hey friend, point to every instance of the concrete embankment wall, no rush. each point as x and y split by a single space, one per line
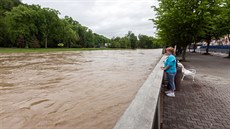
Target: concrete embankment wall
144 110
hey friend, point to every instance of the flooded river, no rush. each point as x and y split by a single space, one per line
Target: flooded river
70 90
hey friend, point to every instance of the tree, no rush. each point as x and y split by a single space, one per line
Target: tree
125 42
67 34
115 42
21 21
48 23
33 26
148 42
210 13
34 42
225 20
89 39
82 32
5 5
100 40
182 22
133 39
180 13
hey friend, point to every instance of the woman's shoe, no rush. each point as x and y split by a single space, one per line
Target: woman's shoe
171 94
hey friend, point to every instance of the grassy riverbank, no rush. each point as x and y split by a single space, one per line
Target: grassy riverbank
24 50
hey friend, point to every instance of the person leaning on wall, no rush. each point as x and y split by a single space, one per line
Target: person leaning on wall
170 70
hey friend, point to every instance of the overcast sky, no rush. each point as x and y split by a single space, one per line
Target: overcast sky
107 17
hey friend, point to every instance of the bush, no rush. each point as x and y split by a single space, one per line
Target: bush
35 43
60 45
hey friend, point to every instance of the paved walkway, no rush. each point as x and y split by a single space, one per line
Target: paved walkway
205 103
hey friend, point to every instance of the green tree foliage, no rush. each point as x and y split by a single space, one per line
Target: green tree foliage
68 36
31 26
89 39
100 40
116 43
49 24
27 26
181 22
211 14
148 42
131 41
225 20
5 5
124 42
22 24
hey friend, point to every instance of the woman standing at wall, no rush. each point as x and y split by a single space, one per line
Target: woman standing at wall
170 70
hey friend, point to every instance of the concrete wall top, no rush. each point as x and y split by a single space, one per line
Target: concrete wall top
140 113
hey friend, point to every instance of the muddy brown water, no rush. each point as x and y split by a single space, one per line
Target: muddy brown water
70 90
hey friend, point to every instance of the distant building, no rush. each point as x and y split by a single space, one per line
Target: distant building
222 41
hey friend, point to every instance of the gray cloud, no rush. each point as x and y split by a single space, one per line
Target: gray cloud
107 17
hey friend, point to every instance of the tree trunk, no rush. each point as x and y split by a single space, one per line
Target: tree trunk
184 54
175 50
207 49
27 45
46 40
229 38
67 45
229 44
194 47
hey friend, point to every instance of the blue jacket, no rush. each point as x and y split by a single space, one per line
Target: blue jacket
171 62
